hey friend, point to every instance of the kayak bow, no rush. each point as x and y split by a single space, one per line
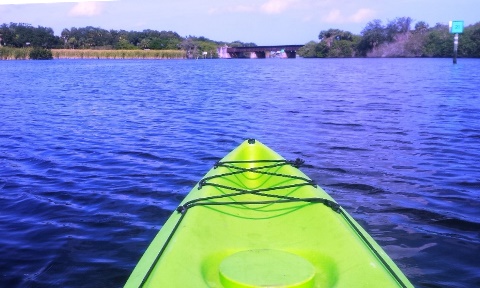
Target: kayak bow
255 220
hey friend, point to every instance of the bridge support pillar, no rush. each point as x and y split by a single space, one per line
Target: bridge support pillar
222 52
290 54
257 55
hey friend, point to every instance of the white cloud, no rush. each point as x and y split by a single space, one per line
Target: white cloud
8 2
86 9
276 6
361 15
334 16
304 10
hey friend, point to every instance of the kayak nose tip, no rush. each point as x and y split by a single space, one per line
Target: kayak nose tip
251 141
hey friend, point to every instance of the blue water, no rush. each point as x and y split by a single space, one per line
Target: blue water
95 155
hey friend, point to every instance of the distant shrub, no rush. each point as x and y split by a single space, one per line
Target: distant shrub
41 54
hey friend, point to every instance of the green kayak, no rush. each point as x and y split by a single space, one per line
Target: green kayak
255 220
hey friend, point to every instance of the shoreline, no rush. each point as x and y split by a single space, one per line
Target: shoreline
8 53
117 54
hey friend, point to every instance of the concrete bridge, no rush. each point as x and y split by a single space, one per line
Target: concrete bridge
278 51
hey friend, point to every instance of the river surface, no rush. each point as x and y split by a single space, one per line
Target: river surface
95 155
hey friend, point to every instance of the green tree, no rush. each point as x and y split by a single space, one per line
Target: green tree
344 48
164 43
314 50
196 46
439 42
469 41
372 35
421 27
239 43
331 35
65 35
6 35
145 43
308 50
399 25
190 47
124 44
209 47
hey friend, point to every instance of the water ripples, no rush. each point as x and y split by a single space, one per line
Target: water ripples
94 155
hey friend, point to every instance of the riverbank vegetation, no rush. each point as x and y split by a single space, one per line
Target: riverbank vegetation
10 53
117 54
94 42
396 38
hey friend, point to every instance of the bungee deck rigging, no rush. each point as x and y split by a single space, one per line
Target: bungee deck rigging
261 192
278 199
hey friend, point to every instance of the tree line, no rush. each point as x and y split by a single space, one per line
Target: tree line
394 39
21 35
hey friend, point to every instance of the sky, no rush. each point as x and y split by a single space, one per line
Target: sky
264 22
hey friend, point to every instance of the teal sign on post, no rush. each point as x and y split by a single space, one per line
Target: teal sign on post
456 27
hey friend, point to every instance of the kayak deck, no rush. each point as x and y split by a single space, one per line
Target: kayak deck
255 220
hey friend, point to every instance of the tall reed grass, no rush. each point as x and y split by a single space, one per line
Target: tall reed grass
117 54
9 53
